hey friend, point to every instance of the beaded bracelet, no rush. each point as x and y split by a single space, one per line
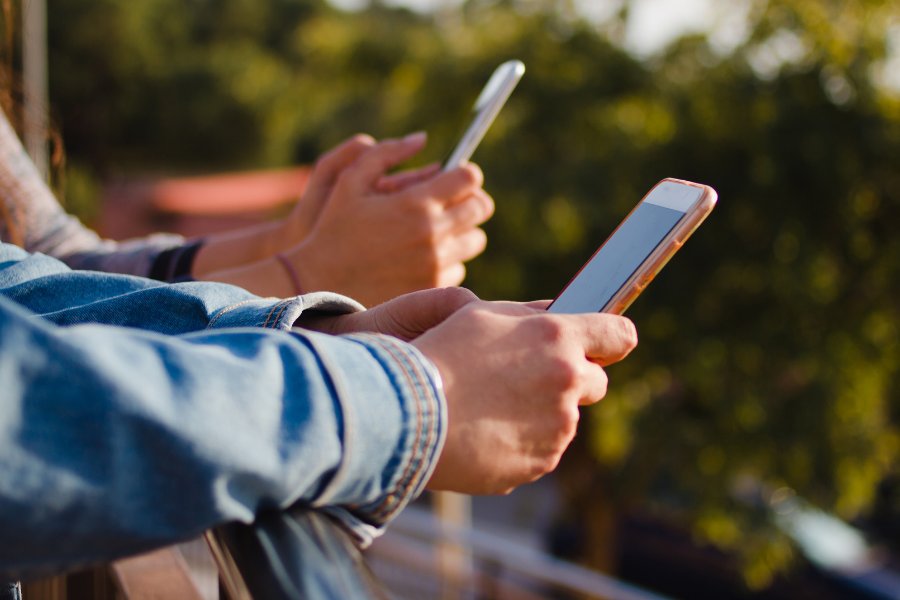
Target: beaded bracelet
291 272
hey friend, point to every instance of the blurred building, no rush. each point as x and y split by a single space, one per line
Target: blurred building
195 206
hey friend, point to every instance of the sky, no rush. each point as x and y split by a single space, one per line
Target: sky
652 23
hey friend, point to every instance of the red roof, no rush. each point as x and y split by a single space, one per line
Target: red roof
231 193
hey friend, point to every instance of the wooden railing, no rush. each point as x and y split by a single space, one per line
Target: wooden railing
158 575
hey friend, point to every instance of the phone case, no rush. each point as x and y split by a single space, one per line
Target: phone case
664 251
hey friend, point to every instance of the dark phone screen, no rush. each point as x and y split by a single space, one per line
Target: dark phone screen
617 259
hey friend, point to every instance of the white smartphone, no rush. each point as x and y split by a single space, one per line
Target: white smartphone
639 247
491 99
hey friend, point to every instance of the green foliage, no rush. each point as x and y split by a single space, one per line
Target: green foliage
769 346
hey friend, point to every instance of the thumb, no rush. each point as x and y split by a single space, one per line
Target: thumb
409 316
372 164
326 171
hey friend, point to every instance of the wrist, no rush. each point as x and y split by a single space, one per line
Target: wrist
275 237
299 268
290 232
287 267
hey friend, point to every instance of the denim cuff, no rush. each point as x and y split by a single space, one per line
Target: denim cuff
260 312
418 382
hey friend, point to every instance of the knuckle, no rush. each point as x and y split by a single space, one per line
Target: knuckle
417 216
550 331
570 417
474 177
456 297
428 232
362 139
548 464
472 212
332 158
601 384
564 375
565 422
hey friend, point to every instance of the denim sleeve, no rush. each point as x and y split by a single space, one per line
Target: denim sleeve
114 440
50 289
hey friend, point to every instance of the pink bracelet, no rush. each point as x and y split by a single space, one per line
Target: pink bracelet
291 272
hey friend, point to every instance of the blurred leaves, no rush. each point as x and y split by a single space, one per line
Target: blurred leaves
769 346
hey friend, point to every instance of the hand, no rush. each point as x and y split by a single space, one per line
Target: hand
514 377
378 236
405 317
305 213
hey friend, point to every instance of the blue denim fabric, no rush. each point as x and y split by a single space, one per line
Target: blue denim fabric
46 286
114 440
10 591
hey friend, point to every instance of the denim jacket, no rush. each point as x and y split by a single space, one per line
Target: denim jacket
134 414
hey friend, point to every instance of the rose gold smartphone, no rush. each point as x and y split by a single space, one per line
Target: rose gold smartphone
639 247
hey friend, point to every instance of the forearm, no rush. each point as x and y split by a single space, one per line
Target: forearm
115 441
42 225
229 250
267 277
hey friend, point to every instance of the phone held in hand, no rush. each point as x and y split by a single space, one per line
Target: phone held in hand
638 249
491 99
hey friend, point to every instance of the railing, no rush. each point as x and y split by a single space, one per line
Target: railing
152 576
408 560
411 560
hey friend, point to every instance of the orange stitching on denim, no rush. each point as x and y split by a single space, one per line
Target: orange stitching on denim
425 393
225 310
388 504
284 306
269 315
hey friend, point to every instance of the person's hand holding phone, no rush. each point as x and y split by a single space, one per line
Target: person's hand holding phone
638 249
486 108
373 240
405 317
514 377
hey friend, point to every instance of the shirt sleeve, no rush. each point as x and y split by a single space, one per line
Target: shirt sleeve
114 441
46 227
50 289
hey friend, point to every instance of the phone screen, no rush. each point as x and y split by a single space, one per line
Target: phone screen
620 257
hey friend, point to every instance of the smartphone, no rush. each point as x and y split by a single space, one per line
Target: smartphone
488 104
639 247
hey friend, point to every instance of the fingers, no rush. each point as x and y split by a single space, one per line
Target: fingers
462 247
371 165
471 212
330 164
326 172
450 186
606 338
452 275
454 251
538 304
411 315
595 384
398 181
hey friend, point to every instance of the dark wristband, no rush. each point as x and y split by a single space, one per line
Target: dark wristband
175 264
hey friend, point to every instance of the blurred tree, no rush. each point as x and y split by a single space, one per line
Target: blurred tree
769 350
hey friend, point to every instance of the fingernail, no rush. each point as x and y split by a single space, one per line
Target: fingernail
418 137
